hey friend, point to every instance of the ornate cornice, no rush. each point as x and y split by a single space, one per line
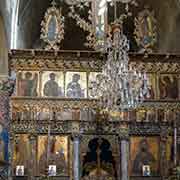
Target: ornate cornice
39 103
144 129
157 67
91 127
161 104
88 61
20 104
39 127
55 60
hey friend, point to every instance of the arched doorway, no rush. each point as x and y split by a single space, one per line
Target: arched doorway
99 163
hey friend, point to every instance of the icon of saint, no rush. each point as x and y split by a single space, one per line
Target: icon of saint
28 85
20 171
143 157
146 171
168 87
22 155
54 158
51 87
52 171
74 88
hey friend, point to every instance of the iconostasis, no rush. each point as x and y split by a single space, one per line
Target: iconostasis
145 149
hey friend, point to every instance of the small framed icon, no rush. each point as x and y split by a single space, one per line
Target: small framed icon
52 170
19 170
76 84
146 170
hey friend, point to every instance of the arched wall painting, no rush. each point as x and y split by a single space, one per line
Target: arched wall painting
144 151
22 153
53 152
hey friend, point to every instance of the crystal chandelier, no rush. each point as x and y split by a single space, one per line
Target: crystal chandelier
119 87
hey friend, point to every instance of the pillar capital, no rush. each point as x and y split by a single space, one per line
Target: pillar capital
76 136
164 133
123 133
32 137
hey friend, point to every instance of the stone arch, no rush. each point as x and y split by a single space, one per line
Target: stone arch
99 160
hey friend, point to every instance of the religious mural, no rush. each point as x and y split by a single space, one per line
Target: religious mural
52 84
146 115
53 151
92 84
168 86
151 115
170 115
151 84
19 170
21 155
27 83
141 115
45 114
66 114
161 115
13 76
144 151
145 30
76 84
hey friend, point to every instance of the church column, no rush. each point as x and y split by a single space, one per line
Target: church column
124 152
75 131
32 140
76 156
163 157
175 143
11 155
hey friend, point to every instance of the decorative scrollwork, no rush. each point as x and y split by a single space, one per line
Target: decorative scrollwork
58 60
7 86
157 67
88 60
30 104
86 26
144 129
52 31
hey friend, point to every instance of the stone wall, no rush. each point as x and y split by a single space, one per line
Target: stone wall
3 50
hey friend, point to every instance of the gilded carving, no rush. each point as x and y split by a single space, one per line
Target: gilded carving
80 116
52 31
